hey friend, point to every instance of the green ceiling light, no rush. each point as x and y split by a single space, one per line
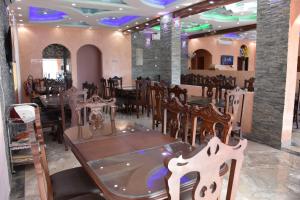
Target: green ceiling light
200 27
156 28
227 18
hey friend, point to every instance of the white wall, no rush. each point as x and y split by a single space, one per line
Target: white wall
4 177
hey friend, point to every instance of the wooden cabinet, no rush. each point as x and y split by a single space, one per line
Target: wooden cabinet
243 63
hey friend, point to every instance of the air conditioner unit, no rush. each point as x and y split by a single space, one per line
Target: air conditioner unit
225 41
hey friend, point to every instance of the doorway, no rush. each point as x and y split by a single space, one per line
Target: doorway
201 59
89 65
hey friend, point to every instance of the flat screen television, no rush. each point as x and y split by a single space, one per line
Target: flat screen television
227 60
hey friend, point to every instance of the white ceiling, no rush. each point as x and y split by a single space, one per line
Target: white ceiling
93 11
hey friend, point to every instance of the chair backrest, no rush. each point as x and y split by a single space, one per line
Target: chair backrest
174 116
102 88
235 103
210 117
249 84
142 91
73 96
96 104
91 89
209 182
117 81
40 161
176 91
157 94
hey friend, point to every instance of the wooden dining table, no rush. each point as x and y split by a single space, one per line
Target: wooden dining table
129 162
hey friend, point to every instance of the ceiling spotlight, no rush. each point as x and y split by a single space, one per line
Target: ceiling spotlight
158 20
57 26
19 8
21 20
45 13
147 18
211 2
86 16
129 30
90 27
127 26
136 22
220 26
119 29
177 7
147 24
73 4
238 23
137 27
113 18
20 15
190 9
120 8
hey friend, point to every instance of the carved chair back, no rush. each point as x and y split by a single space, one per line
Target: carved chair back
249 84
235 103
95 104
157 94
210 119
102 88
209 182
142 93
91 89
178 92
174 117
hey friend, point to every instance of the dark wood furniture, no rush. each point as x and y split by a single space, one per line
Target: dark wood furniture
178 92
103 88
142 96
122 164
64 185
210 118
91 89
249 84
157 94
175 117
296 106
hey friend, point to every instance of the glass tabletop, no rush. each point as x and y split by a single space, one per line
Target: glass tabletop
83 134
204 101
141 174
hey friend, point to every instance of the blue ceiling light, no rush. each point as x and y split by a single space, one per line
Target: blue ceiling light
37 14
90 11
160 2
117 21
232 36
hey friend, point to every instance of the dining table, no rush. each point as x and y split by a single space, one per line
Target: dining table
51 100
204 101
128 161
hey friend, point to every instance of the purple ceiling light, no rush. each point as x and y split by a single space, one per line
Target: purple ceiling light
37 14
160 2
117 21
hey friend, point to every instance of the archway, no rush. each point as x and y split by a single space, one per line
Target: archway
201 59
89 65
56 62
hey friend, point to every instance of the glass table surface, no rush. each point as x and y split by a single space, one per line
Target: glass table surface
141 174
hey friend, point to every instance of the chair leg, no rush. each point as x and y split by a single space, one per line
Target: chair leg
137 111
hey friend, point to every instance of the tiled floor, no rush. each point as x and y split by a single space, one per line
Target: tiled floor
267 174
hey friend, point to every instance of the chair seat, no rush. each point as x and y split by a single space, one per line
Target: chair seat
89 197
72 183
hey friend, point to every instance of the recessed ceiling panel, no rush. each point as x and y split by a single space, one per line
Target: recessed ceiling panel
159 2
90 11
117 21
37 14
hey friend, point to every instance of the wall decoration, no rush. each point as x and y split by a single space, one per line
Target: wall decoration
227 60
244 51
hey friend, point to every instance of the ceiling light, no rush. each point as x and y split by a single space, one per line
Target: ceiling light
147 18
45 13
73 4
114 18
211 2
177 7
86 16
137 27
190 9
238 23
220 26
21 20
20 15
120 8
136 22
127 26
129 30
90 27
19 8
120 30
158 20
147 24
57 26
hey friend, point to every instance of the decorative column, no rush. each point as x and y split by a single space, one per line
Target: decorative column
275 74
170 41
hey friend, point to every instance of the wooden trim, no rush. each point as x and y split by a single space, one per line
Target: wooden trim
224 31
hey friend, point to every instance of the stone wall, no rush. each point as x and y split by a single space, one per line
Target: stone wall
271 71
6 98
164 57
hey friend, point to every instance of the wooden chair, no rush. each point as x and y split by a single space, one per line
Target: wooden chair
95 104
249 84
64 185
209 181
235 105
296 106
174 117
102 88
142 96
91 89
157 94
213 123
176 91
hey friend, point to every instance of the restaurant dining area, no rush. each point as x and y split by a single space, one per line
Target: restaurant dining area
150 99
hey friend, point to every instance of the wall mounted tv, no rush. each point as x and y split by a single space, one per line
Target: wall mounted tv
227 60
